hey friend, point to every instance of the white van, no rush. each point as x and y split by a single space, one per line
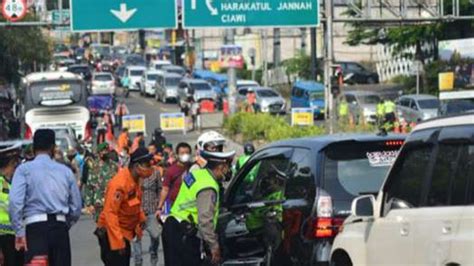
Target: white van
135 74
56 99
424 212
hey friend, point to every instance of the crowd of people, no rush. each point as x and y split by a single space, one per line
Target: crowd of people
129 189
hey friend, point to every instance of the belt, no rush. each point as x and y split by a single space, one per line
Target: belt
44 218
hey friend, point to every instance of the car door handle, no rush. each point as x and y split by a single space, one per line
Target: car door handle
405 229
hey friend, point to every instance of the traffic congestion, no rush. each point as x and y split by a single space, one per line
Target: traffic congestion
125 140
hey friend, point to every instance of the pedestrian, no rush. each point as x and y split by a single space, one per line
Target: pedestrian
101 131
124 158
122 218
158 138
102 170
251 101
249 149
344 112
173 177
195 114
138 142
153 150
123 140
151 188
9 160
168 155
45 198
380 112
121 111
210 141
389 111
190 231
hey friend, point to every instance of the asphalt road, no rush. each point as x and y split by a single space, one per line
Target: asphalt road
85 249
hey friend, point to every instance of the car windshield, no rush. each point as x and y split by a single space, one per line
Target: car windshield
62 144
54 93
136 73
135 60
457 106
201 86
176 71
79 70
267 93
370 99
172 82
316 95
429 104
103 78
152 77
352 169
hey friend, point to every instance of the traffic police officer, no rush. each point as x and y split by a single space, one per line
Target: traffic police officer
123 218
194 213
9 159
249 149
44 196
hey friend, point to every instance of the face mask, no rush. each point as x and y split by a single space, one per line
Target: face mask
144 172
184 158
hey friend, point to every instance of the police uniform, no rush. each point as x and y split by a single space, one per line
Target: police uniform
44 203
11 257
197 206
122 217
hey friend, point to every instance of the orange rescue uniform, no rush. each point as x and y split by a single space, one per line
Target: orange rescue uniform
122 215
122 141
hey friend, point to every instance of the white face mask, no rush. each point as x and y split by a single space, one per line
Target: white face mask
184 158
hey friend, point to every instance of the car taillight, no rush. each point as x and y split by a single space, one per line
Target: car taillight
28 132
88 131
325 225
394 143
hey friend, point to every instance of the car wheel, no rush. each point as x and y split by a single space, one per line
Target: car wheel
341 259
371 80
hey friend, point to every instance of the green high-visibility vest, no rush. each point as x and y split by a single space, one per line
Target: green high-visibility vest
389 107
380 109
242 160
343 108
185 206
5 225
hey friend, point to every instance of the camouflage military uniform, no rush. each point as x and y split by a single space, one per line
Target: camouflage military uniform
100 174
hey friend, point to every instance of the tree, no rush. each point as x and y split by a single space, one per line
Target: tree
21 48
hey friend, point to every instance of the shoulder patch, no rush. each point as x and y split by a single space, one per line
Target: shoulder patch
189 180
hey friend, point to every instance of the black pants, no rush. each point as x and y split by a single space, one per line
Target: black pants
49 238
113 257
11 257
179 250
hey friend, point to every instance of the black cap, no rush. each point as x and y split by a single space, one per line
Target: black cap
43 139
141 155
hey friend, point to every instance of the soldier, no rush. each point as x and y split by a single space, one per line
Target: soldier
102 170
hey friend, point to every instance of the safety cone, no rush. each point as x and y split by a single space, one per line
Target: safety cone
396 127
404 127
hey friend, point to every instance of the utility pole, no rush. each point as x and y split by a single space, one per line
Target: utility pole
328 67
232 78
264 56
313 54
303 40
276 47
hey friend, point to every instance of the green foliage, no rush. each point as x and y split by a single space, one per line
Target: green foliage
266 127
408 83
27 45
300 66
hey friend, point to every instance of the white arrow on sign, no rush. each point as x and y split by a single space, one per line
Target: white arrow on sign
211 8
124 15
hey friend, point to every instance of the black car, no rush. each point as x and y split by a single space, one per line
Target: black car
357 74
82 70
286 204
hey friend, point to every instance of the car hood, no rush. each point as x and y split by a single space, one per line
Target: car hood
429 113
270 100
369 107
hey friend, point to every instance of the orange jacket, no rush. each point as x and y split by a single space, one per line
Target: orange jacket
122 214
122 141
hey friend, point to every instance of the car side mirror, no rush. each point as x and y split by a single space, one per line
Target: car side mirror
363 206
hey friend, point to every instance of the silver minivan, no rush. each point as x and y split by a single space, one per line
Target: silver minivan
414 108
166 87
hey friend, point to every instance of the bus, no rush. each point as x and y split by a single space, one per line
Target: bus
56 99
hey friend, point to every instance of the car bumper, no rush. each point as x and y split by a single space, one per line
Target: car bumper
171 94
102 91
150 90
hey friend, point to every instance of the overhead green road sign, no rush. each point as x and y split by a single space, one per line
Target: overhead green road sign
109 15
247 13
